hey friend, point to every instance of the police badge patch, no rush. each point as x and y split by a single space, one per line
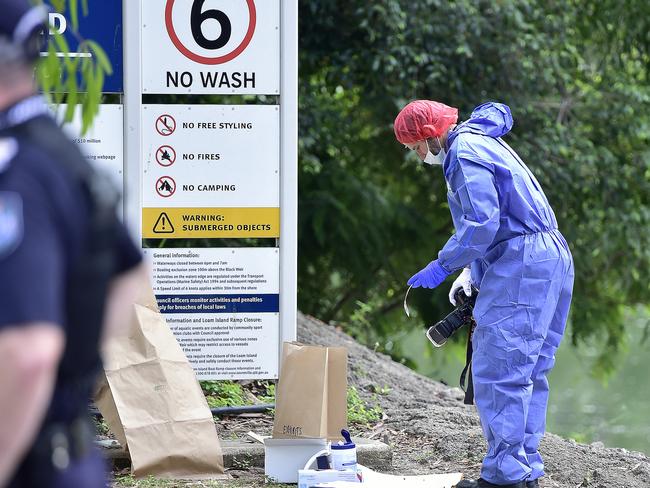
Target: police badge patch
11 222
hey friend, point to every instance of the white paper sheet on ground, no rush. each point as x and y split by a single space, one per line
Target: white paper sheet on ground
372 479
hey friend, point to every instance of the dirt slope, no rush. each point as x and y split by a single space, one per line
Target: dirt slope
431 430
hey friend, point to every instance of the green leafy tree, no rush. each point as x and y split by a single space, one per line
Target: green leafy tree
574 74
73 80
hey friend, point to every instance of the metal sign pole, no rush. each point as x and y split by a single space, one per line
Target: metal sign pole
289 170
132 117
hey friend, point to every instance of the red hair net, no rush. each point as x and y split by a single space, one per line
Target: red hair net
422 119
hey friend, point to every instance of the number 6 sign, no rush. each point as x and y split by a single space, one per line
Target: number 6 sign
202 23
229 47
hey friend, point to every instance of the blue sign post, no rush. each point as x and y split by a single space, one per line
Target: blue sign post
103 24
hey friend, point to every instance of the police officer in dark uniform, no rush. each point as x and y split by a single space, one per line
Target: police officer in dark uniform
68 274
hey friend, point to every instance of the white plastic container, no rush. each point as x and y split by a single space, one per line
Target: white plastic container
344 455
284 457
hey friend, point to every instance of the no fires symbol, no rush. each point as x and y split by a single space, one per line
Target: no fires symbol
166 156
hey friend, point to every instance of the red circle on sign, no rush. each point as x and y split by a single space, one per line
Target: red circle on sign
252 19
163 184
163 121
171 156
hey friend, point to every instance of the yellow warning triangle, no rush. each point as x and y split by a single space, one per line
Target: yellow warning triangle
163 225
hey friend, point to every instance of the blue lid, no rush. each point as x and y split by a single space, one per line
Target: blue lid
348 442
338 447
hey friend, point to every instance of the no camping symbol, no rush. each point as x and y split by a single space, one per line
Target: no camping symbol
165 186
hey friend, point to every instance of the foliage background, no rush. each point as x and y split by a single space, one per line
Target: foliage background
575 74
73 80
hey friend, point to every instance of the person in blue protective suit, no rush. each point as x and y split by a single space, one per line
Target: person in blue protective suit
509 247
68 276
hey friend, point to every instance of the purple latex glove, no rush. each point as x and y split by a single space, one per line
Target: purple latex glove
429 277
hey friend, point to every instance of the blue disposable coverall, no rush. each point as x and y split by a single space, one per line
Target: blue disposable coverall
522 265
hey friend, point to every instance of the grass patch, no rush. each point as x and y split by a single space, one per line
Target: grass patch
380 390
233 394
129 481
224 394
269 394
360 412
101 427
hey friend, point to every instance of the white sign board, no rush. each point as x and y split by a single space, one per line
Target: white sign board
211 171
211 46
103 144
223 307
211 156
216 172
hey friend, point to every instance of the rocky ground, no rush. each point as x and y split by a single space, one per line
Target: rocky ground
431 430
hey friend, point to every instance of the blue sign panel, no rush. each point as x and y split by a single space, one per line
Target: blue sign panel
263 303
103 24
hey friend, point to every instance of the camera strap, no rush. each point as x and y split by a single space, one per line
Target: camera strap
466 375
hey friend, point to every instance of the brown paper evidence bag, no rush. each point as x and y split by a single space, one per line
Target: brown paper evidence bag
311 395
152 402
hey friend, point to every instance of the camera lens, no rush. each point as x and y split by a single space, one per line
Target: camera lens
439 333
436 338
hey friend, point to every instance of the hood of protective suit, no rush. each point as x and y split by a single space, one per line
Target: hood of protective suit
490 119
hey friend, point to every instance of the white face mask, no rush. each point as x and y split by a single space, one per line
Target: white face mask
438 159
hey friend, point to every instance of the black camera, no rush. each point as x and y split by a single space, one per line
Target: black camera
462 315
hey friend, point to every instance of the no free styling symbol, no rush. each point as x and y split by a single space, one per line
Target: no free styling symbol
208 35
165 125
